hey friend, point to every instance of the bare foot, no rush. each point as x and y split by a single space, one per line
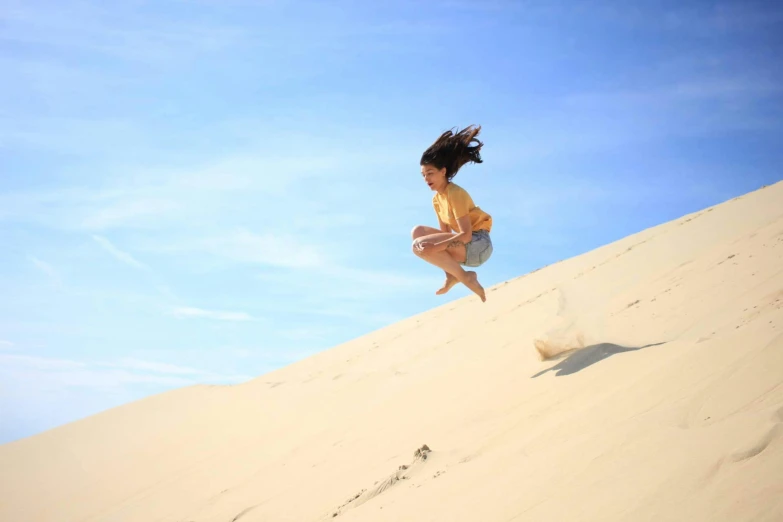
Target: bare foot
450 281
471 281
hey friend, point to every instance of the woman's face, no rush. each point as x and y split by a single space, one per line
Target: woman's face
434 177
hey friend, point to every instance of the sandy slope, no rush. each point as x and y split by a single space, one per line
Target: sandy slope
672 411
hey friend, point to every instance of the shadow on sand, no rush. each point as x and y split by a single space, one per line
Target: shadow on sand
584 357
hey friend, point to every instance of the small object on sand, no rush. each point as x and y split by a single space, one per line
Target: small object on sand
422 452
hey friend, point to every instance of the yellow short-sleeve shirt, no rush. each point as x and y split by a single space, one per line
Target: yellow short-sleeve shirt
455 203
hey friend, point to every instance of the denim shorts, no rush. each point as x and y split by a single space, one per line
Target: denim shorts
478 250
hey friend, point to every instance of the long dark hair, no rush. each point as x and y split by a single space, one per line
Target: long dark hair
452 150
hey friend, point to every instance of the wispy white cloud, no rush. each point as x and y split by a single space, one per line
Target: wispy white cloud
46 268
341 281
200 193
683 91
154 367
118 254
126 36
91 138
90 209
267 248
374 318
167 292
54 373
186 311
306 334
6 345
127 211
365 296
377 280
42 363
262 356
241 353
278 248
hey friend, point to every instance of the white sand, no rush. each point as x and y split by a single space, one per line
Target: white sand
689 428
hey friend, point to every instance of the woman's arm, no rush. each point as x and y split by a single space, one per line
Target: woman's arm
464 235
440 242
444 227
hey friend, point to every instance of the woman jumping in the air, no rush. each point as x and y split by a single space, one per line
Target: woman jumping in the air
463 236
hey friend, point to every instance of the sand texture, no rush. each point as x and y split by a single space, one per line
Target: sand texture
641 381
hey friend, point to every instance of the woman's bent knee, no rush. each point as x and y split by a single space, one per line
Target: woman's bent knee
418 231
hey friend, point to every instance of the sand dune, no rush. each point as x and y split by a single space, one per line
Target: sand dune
642 381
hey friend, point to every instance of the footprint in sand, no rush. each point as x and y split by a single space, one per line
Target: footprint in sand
419 456
760 445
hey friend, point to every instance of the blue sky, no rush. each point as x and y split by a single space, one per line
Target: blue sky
203 191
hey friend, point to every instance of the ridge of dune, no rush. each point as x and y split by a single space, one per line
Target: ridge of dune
642 381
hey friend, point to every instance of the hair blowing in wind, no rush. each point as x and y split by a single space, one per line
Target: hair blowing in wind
452 150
